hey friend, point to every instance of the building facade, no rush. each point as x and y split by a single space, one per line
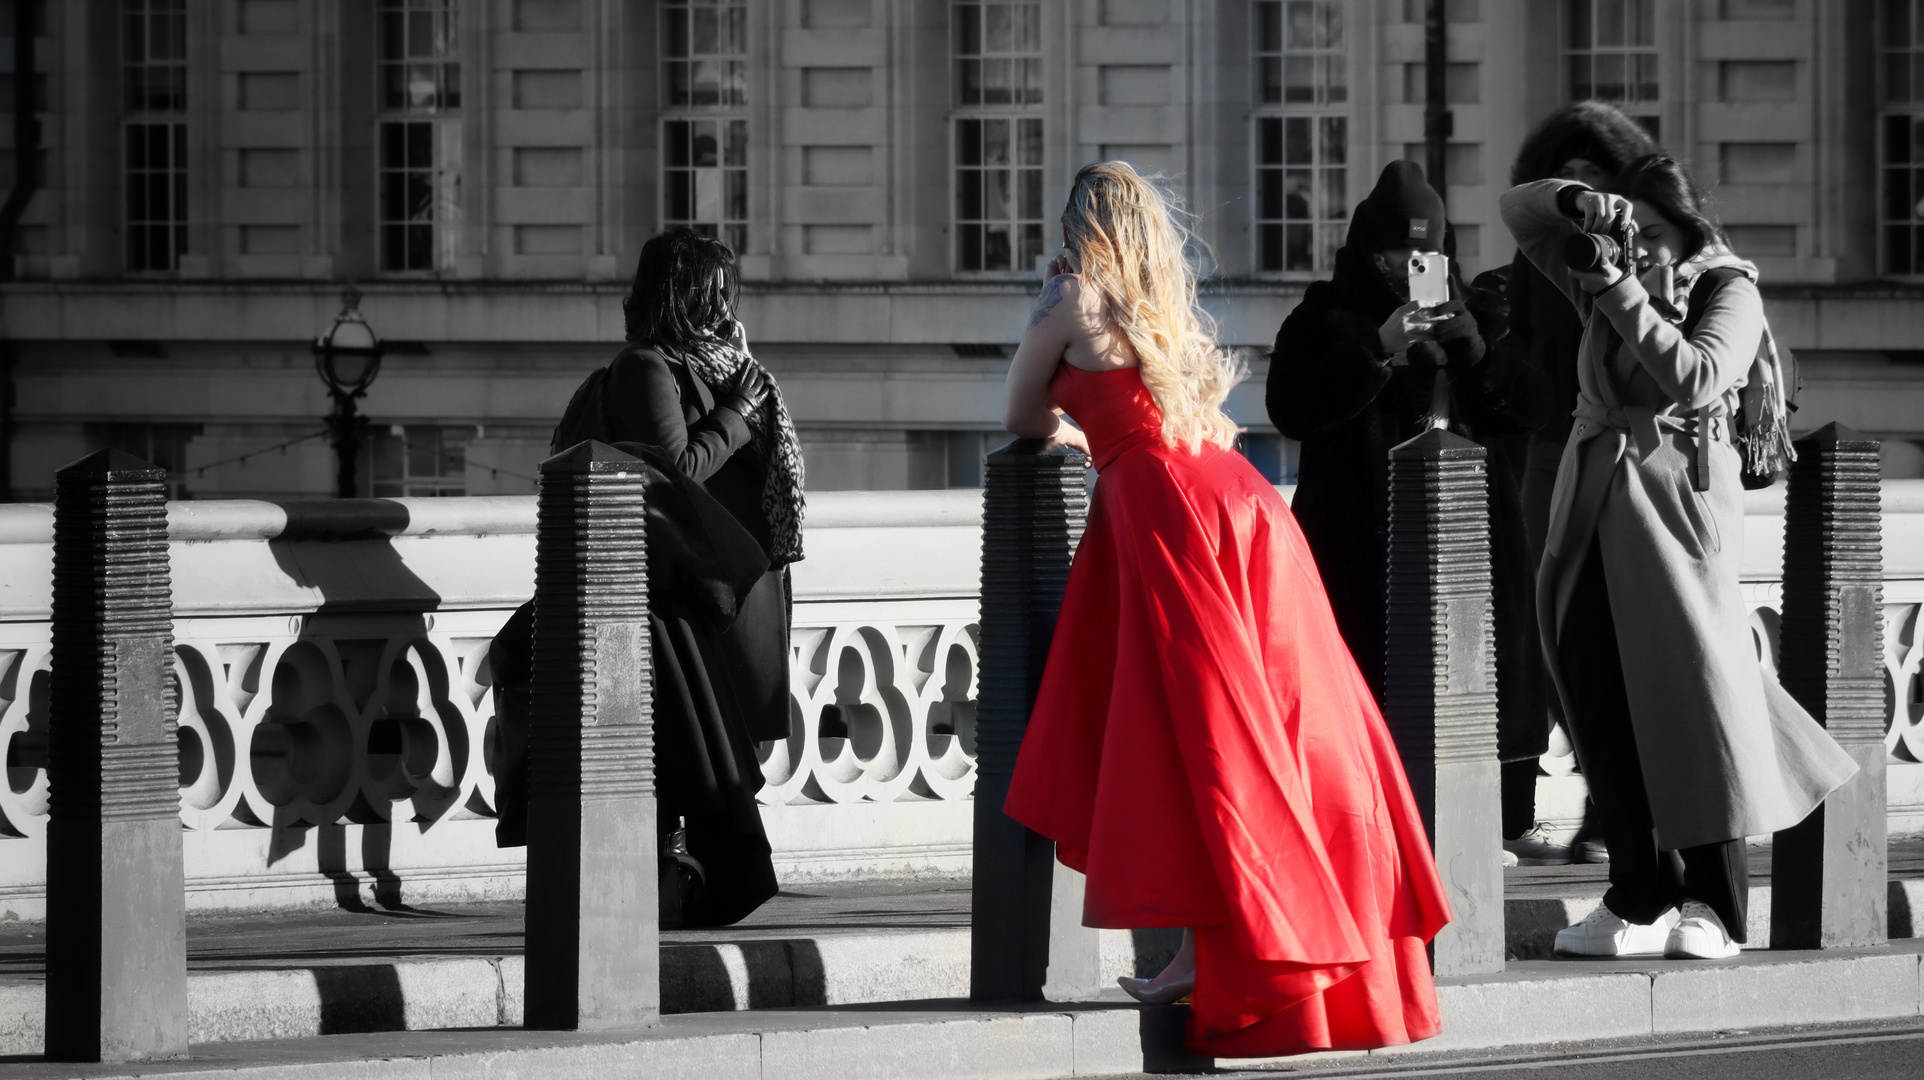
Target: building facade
196 181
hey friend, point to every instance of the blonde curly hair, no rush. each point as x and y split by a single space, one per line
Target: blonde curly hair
1128 245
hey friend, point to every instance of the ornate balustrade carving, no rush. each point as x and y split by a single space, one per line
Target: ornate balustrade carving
331 664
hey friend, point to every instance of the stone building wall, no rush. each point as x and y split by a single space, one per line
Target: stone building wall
486 170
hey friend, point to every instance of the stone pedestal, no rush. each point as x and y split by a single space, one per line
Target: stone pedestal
116 894
1440 682
1028 938
1828 873
593 942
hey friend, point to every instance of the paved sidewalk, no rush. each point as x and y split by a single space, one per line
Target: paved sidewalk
1533 1005
327 972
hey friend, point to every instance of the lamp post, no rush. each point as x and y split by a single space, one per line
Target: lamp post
348 357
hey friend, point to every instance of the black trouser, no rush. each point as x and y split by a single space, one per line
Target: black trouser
1644 882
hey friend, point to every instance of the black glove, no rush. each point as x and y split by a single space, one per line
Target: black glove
745 392
1458 335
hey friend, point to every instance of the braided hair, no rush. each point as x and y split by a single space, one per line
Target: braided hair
684 289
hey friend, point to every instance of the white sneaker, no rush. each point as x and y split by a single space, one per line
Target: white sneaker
1602 933
1700 935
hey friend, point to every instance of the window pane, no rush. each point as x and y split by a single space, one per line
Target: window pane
1030 132
1271 246
1609 22
1297 150
995 248
1270 140
995 142
1335 142
1578 20
968 142
995 194
1269 197
1297 254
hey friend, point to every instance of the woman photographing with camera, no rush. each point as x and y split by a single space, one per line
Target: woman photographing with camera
1687 745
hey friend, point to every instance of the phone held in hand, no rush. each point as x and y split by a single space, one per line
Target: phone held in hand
1429 278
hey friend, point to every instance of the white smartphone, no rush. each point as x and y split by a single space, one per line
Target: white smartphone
1429 278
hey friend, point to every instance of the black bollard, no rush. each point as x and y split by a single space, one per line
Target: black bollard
1829 872
593 943
1027 937
116 890
1439 693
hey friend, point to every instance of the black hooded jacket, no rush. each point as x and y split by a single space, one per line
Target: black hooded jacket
1332 388
1543 325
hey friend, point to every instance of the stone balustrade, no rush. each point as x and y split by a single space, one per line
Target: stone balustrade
335 708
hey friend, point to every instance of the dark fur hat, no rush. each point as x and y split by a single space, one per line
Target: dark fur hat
1594 130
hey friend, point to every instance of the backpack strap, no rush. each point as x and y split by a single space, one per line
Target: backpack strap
1701 291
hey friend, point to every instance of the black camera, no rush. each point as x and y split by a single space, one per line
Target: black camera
1588 252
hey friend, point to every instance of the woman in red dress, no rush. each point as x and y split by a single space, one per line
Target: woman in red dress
1203 747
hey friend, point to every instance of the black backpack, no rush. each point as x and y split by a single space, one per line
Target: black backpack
586 415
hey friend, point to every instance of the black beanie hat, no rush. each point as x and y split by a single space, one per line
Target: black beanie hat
1402 211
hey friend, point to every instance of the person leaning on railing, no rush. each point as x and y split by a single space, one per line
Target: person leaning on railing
1687 745
725 509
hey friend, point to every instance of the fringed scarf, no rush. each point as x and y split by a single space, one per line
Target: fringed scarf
716 361
1762 418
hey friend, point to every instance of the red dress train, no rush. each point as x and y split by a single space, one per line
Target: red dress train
1205 750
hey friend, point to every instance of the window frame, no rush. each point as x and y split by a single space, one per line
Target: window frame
1910 110
417 91
154 195
679 127
1327 108
1023 131
1647 111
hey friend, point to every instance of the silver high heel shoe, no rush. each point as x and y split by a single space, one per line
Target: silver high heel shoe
1145 991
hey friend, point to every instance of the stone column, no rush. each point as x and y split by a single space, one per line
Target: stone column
1028 940
1829 873
116 891
1439 693
593 943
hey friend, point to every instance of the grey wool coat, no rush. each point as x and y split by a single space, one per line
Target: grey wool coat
1726 752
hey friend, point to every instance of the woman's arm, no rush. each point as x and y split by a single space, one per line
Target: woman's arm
1028 411
1696 370
1540 225
644 405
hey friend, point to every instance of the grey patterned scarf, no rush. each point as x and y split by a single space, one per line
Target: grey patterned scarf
715 361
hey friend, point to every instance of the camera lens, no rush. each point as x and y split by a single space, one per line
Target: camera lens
1589 252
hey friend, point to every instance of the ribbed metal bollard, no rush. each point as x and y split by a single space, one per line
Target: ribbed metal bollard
116 891
593 943
1829 873
1027 937
1440 682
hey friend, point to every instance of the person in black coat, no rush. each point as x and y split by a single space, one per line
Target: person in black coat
1359 368
686 396
1589 141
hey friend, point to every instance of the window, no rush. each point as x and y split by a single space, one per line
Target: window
998 136
705 136
1610 53
1901 138
154 147
706 177
421 459
419 139
1302 135
705 47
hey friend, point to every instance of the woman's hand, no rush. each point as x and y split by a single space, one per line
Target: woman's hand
745 391
1406 325
1061 264
1071 436
1600 213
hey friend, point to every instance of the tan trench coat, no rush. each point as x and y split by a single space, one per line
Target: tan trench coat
1725 751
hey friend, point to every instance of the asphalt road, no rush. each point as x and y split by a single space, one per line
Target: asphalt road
1892 1051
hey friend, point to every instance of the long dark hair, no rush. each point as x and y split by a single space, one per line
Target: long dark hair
685 288
1658 180
1595 131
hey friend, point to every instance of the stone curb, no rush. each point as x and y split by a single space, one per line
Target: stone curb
827 970
1533 1004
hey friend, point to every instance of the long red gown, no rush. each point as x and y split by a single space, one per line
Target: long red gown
1204 749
